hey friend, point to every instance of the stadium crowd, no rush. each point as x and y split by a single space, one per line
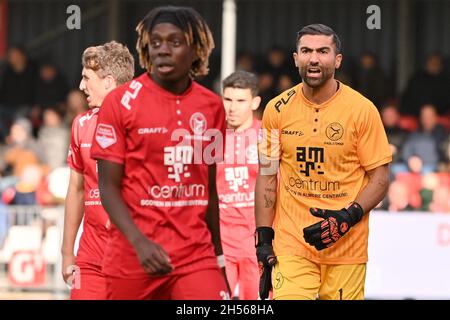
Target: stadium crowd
37 107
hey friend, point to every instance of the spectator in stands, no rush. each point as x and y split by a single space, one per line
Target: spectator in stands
24 191
245 62
17 87
51 87
428 86
267 91
3 223
446 166
396 135
19 79
53 138
398 198
371 80
21 150
51 90
76 104
441 200
276 63
421 146
430 183
429 124
420 154
284 83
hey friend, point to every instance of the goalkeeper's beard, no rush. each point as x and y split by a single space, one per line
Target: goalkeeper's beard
326 74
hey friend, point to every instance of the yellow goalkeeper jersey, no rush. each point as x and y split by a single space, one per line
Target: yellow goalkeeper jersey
324 152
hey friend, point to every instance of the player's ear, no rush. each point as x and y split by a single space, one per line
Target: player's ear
256 101
110 83
294 55
338 61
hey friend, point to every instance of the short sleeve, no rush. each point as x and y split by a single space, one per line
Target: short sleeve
269 144
109 137
373 147
74 159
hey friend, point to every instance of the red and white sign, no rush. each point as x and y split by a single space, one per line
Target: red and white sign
26 268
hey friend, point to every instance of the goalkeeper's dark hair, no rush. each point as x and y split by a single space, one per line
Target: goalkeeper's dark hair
320 29
194 27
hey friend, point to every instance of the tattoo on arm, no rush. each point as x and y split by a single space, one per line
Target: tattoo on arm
268 202
269 196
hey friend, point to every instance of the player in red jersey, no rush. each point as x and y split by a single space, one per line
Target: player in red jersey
157 142
104 68
236 178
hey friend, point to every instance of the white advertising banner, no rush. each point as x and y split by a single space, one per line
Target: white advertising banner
409 256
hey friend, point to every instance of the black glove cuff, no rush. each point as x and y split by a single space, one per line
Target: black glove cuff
355 211
264 235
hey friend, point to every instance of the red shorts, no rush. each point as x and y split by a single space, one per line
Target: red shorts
89 283
206 284
243 276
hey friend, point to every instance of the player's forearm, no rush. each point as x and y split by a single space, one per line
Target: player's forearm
213 222
118 212
212 212
73 214
265 199
109 181
375 190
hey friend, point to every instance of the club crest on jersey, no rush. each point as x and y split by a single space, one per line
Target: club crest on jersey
105 135
334 131
198 123
251 153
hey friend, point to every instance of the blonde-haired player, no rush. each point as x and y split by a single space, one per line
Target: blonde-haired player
104 68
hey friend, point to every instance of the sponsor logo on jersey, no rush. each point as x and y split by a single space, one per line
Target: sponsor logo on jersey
105 135
152 130
130 95
284 100
310 158
87 116
292 132
177 158
236 178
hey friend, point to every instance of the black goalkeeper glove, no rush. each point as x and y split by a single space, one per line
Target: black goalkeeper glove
266 259
336 223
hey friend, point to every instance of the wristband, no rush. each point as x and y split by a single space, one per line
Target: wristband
221 261
356 211
264 235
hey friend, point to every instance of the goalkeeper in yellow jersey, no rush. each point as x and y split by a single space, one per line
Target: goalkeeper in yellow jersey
324 164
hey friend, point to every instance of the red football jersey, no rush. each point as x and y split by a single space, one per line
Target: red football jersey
236 180
165 143
94 237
